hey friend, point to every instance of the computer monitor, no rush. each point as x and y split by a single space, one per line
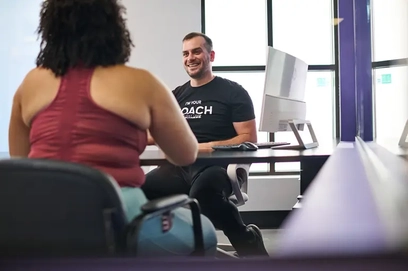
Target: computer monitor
283 105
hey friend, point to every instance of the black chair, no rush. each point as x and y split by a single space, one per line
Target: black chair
56 208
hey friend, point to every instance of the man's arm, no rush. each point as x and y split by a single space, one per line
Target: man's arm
150 139
246 131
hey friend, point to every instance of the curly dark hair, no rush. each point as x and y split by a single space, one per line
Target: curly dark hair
82 32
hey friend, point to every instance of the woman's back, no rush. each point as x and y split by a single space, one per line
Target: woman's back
83 104
85 117
98 117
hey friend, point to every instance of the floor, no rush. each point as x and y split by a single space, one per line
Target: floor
270 238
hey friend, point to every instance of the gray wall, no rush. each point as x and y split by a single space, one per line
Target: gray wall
157 27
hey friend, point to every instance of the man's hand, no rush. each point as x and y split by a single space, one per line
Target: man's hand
150 140
205 146
246 131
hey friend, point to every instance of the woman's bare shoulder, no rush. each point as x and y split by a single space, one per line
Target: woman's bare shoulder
36 76
37 72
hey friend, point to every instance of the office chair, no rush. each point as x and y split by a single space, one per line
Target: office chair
238 175
64 209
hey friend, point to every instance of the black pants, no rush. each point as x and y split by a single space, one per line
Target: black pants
211 187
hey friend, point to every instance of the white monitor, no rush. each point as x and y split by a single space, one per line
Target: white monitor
283 106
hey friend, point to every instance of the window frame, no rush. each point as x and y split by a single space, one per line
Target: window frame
321 67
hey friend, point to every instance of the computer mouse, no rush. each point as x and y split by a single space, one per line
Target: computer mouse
248 146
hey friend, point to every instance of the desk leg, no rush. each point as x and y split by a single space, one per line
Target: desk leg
309 169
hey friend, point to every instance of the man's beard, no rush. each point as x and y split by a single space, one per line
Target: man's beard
201 72
197 74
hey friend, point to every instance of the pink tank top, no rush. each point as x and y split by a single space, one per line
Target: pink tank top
74 128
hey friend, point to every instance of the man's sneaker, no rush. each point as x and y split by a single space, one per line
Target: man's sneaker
255 246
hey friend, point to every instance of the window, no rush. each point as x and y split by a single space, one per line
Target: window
389 41
320 111
18 22
238 31
389 29
253 82
304 29
320 107
391 101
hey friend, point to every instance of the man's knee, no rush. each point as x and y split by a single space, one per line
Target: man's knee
151 186
165 181
211 181
149 191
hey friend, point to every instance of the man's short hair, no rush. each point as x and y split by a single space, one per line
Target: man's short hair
208 42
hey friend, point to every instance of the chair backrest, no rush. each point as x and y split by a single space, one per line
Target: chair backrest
58 208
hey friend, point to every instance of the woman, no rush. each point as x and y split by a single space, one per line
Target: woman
83 104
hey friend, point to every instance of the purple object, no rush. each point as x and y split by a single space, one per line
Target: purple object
339 214
364 84
356 103
348 118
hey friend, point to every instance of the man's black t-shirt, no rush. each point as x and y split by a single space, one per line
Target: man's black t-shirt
211 109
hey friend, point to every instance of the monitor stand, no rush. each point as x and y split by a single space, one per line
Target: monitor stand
294 124
403 140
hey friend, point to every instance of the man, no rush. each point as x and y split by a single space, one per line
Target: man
219 112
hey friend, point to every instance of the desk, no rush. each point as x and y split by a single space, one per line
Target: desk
355 206
310 160
330 220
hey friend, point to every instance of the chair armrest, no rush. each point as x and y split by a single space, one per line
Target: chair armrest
162 206
167 203
238 175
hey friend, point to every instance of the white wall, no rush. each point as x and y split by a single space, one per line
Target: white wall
18 50
272 193
157 28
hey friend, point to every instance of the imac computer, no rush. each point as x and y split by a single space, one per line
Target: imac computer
283 105
403 142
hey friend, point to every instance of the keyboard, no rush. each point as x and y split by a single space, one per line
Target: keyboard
248 146
268 145
245 146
